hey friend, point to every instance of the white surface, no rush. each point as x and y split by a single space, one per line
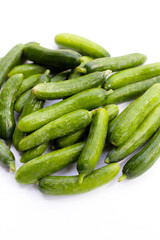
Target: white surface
128 210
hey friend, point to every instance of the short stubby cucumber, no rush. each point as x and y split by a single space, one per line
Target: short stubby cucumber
132 75
143 160
136 114
94 144
89 99
112 110
60 76
11 59
68 88
80 44
7 159
68 185
62 126
22 100
49 163
7 98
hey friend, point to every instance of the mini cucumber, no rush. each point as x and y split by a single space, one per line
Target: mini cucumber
89 99
22 100
136 114
80 44
131 91
68 185
7 159
68 88
146 129
11 59
143 160
60 76
55 59
65 125
47 164
112 110
7 98
132 75
94 144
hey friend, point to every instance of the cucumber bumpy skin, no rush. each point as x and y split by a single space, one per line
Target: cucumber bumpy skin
89 99
80 44
68 185
22 100
60 76
7 159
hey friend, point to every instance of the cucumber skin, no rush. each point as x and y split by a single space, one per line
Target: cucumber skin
88 99
65 125
144 160
115 63
48 163
112 110
147 128
132 75
22 100
80 44
94 144
57 59
11 59
7 159
7 98
60 76
143 106
68 185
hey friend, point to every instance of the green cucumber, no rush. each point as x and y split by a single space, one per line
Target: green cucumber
7 98
132 75
80 44
7 159
89 99
47 164
22 100
143 160
94 145
68 185
68 88
60 76
136 114
112 110
55 59
11 59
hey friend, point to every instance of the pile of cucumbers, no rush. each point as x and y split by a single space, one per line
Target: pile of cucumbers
78 128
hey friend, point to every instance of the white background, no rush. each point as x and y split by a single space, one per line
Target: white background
128 210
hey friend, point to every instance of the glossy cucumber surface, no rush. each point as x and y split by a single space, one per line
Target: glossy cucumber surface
7 159
112 110
22 100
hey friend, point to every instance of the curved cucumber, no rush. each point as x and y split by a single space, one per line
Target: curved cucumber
88 99
48 163
6 157
136 114
67 185
57 59
11 59
22 100
94 145
112 110
132 75
60 76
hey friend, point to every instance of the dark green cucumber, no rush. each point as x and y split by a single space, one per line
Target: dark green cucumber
68 185
80 44
22 100
7 97
143 160
132 75
112 110
94 145
7 159
146 129
131 91
89 99
11 59
62 126
60 76
57 59
136 114
68 88
47 164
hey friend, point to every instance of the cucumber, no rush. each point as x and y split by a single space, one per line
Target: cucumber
94 144
68 88
68 185
55 59
132 75
143 160
112 110
88 99
7 159
60 76
146 129
11 59
22 100
136 114
80 44
7 98
62 126
47 164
